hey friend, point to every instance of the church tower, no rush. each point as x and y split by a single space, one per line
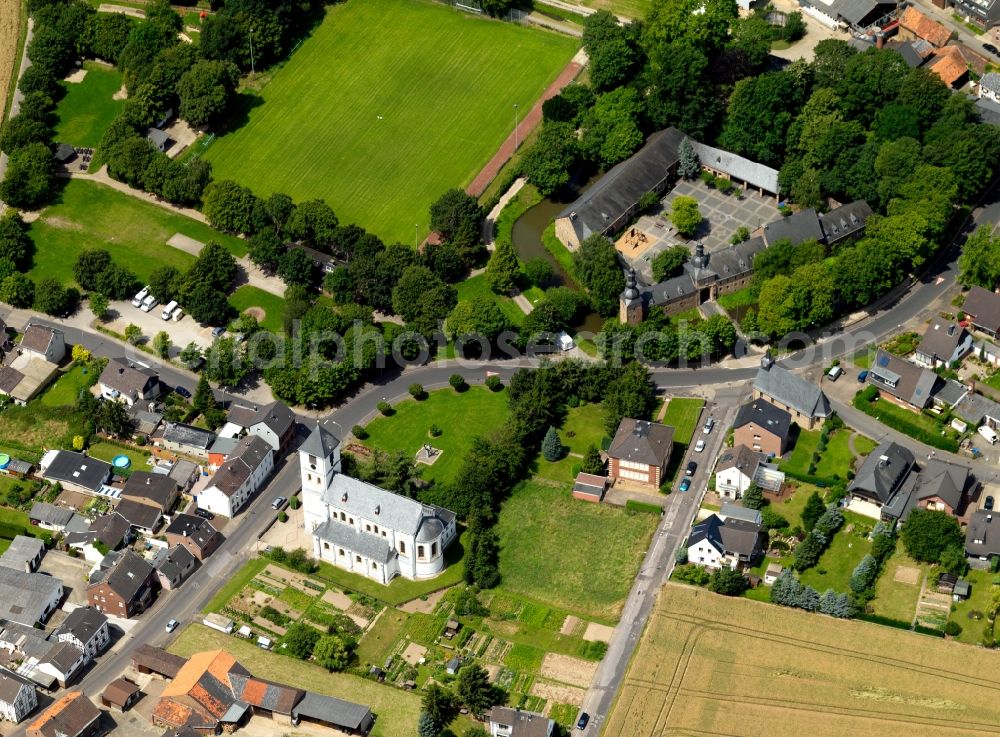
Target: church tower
319 462
630 302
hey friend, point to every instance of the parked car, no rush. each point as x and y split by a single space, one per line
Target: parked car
149 303
988 504
699 446
204 513
182 391
137 299
863 377
992 49
691 468
216 332
709 424
279 502
172 625
834 373
685 484
582 722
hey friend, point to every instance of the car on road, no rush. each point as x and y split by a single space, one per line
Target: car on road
863 377
992 49
691 468
699 446
582 722
172 625
182 391
216 332
204 513
988 504
709 424
685 485
279 502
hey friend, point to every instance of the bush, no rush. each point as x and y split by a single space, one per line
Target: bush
493 383
273 615
690 573
952 628
359 432
282 516
435 431
417 392
294 503
457 382
385 408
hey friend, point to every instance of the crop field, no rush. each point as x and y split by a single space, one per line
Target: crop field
388 104
10 27
710 665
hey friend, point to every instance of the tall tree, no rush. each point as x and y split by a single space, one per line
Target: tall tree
813 511
504 269
599 272
473 688
689 166
552 448
979 263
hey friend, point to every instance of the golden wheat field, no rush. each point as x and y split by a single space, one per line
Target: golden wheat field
10 20
711 665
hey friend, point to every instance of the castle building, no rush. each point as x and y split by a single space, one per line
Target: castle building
364 529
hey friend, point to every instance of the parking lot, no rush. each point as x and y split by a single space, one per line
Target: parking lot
181 332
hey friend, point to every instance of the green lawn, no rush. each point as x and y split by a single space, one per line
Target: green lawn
459 416
896 599
835 566
682 414
477 286
273 306
377 642
837 459
740 298
978 601
64 390
135 233
584 426
635 9
577 556
388 104
88 108
791 507
397 709
801 454
107 451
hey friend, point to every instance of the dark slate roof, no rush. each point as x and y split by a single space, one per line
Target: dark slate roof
320 443
126 577
619 189
738 512
197 529
38 338
264 694
791 390
844 221
975 407
745 459
726 263
157 137
11 685
521 723
65 152
989 111
990 81
70 716
945 480
751 172
175 561
798 227
902 379
63 656
71 467
110 529
856 11
138 514
276 416
193 437
333 711
21 550
241 463
83 623
9 379
884 471
128 379
50 514
370 546
24 596
153 487
395 511
730 536
640 441
941 338
982 539
766 416
158 660
669 290
908 51
951 392
984 307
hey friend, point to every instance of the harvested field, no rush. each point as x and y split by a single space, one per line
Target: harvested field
10 27
713 665
568 669
338 599
569 625
558 692
598 632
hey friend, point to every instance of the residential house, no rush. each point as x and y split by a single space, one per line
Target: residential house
984 13
72 715
153 489
982 307
805 402
763 427
589 487
145 419
143 517
198 535
901 382
944 343
736 470
943 486
75 471
186 439
977 410
239 478
49 516
640 452
714 542
365 529
273 422
120 694
24 554
28 598
44 343
506 722
915 25
62 662
41 658
174 565
124 589
110 530
85 629
183 472
989 87
951 65
126 382
18 697
982 538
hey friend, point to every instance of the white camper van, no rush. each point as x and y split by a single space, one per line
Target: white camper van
168 311
989 434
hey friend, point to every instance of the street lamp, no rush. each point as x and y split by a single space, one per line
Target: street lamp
515 127
252 70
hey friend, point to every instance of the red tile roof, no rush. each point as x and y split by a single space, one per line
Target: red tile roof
923 27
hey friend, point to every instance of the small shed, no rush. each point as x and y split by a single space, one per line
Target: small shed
65 153
771 574
377 673
264 642
962 590
159 138
244 631
219 622
148 659
453 665
590 487
120 694
946 583
451 628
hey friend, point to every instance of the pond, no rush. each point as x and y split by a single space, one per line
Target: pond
527 237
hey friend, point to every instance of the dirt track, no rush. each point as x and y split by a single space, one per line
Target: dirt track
10 21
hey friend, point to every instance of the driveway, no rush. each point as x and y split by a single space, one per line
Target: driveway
72 572
181 332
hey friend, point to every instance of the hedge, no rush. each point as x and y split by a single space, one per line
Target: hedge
886 621
633 506
821 481
898 423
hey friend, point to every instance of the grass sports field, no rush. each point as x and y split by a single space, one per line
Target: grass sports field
88 107
388 104
711 665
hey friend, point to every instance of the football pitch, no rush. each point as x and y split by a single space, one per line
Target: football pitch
385 106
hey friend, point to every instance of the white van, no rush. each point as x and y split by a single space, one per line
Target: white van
178 314
169 309
834 373
989 434
137 299
149 303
